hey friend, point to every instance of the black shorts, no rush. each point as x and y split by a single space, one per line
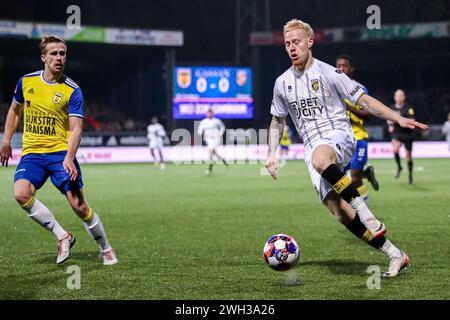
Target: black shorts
406 139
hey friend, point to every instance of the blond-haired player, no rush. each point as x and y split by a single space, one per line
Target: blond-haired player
52 106
312 93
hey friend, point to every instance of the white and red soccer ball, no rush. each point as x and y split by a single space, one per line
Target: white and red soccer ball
281 252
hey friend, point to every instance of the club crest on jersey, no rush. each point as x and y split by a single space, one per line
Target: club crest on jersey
184 76
57 97
315 84
241 77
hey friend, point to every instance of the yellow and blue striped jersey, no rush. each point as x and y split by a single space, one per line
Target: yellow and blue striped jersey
47 108
357 123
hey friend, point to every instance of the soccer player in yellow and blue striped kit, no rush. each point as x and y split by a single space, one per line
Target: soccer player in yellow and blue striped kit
53 113
357 118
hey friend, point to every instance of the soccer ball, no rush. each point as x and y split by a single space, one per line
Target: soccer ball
281 252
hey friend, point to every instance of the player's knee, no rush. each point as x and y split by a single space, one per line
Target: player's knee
322 157
22 197
320 163
396 148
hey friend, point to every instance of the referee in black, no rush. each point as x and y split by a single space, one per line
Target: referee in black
402 135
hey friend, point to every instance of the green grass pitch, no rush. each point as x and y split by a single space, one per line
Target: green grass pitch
182 235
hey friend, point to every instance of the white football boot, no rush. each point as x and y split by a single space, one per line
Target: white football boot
397 264
109 257
64 246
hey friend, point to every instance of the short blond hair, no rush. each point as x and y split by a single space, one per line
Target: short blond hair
50 39
298 24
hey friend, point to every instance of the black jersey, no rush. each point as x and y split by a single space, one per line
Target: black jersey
406 111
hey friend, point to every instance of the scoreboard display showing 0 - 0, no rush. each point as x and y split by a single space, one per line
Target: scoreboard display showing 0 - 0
225 90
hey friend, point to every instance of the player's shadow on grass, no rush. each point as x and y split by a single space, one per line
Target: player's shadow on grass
89 256
340 266
420 188
27 286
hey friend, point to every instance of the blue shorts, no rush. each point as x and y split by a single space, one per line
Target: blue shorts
359 158
284 147
36 168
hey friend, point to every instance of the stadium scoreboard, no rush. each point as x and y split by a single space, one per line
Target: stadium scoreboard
225 90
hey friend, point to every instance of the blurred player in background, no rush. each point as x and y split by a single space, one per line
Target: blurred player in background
401 135
285 142
156 135
52 105
211 129
446 130
357 117
312 93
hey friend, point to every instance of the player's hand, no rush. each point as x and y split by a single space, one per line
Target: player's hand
5 154
272 166
70 168
391 129
411 124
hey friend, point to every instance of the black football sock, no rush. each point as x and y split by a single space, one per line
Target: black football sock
359 229
410 169
397 160
341 183
377 243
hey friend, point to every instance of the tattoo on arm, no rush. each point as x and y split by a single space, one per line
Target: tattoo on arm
275 132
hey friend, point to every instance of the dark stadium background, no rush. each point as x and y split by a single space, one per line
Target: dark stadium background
128 82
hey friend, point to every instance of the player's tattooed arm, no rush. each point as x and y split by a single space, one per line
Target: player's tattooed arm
12 122
275 133
379 110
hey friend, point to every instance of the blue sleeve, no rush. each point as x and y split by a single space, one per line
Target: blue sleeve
365 90
76 104
18 93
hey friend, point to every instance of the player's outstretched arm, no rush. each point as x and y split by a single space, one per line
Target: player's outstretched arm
379 110
76 127
12 122
275 133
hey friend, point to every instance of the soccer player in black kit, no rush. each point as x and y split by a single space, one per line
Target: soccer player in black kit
402 135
